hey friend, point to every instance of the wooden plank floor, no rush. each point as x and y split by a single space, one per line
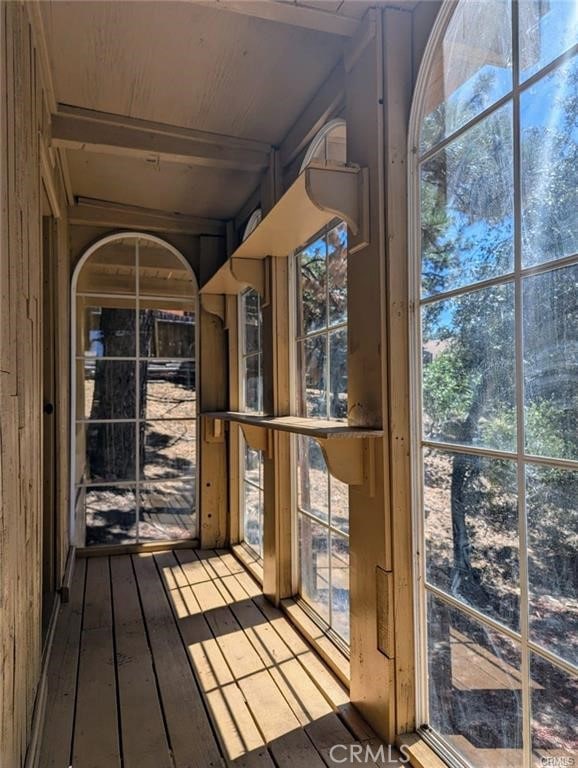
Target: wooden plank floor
175 660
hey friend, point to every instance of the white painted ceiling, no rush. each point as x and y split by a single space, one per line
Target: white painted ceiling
188 65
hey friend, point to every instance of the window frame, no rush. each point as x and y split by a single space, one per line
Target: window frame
296 340
75 358
243 357
519 456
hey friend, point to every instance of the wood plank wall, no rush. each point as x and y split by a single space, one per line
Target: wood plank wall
23 122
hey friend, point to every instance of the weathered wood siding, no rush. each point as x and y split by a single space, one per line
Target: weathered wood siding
23 122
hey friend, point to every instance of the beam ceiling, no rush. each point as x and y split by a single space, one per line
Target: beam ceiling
84 129
88 211
284 12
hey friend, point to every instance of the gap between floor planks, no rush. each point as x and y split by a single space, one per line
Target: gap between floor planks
176 659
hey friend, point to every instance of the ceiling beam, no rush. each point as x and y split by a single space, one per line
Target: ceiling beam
284 12
92 131
102 213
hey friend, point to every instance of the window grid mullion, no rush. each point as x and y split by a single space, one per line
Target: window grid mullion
520 413
508 277
517 89
137 398
517 277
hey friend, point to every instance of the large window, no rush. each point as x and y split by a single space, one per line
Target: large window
496 447
134 411
252 497
322 500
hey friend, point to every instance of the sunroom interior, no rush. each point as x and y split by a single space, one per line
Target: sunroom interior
289 383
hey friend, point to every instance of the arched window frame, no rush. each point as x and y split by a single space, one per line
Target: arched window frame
253 222
102 242
320 140
520 454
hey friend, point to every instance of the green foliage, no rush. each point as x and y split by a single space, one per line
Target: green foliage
447 391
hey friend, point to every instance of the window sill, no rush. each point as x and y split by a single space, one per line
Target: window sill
349 451
321 429
420 754
249 560
318 638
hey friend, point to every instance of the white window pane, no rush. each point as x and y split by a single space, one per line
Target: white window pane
253 383
549 166
110 451
554 714
311 288
472 68
340 585
167 511
167 389
110 269
166 330
110 515
105 327
547 29
338 374
253 518
468 369
551 363
475 688
170 449
552 508
312 479
339 496
106 389
337 274
251 322
161 272
471 532
314 565
312 363
467 207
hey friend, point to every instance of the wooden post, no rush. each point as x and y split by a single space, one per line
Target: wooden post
277 467
372 673
213 396
397 65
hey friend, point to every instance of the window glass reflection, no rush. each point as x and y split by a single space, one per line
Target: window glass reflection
550 323
167 511
471 532
549 166
135 381
111 516
471 69
552 507
469 369
467 207
475 687
106 327
547 29
314 557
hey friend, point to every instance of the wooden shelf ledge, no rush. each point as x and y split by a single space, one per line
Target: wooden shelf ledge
321 429
321 193
235 276
349 451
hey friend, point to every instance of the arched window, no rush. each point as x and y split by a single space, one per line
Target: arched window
494 178
329 146
321 392
254 220
134 441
